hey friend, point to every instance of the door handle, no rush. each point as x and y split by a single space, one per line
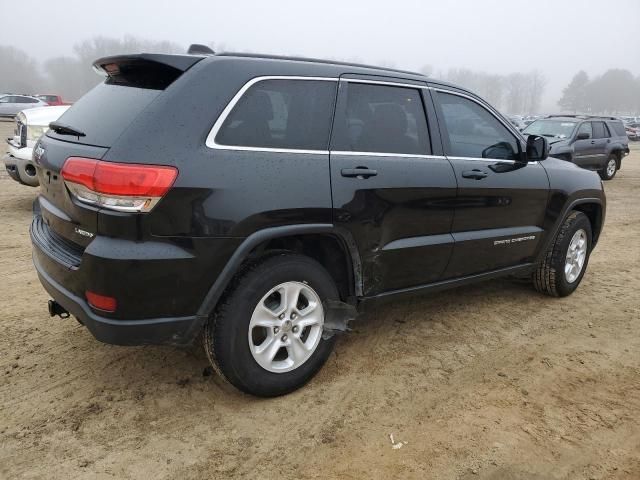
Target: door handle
475 174
592 142
358 172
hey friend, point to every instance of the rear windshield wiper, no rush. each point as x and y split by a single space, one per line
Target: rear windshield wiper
62 129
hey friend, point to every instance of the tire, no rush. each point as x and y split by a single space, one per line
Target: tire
232 349
610 168
551 277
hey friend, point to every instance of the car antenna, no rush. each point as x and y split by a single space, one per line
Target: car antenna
199 49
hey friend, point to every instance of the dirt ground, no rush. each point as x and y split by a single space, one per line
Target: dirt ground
492 381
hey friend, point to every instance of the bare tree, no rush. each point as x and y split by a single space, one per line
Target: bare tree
19 72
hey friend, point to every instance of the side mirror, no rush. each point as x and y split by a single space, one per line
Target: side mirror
583 136
537 148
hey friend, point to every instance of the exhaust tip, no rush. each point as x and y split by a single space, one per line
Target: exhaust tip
55 309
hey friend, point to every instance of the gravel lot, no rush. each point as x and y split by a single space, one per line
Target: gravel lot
491 381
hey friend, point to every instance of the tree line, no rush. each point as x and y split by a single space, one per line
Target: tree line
515 93
72 76
614 92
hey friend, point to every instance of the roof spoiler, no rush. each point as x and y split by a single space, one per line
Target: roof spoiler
145 70
178 62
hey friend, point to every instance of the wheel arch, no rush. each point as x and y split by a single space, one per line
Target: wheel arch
332 247
593 211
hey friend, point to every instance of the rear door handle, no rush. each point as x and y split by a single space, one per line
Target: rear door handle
358 172
592 142
475 174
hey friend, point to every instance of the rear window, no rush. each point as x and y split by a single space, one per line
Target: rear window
618 128
599 130
105 112
284 114
381 118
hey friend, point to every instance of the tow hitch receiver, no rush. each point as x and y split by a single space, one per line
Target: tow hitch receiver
56 309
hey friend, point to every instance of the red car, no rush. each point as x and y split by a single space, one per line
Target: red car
52 100
633 131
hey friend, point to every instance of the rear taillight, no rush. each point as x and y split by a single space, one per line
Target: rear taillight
118 186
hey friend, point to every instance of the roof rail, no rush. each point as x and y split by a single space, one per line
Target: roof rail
583 117
317 60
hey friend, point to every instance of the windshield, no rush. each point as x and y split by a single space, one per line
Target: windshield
551 128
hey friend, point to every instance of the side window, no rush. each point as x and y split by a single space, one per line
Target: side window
586 128
475 132
598 130
381 118
32 100
5 99
288 114
618 128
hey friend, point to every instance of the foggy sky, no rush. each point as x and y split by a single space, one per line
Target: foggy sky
556 37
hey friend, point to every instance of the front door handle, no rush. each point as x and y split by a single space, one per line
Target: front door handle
593 142
475 174
358 172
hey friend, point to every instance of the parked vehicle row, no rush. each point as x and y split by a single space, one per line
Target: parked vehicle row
12 104
259 202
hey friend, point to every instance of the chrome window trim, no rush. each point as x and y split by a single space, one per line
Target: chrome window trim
487 107
383 82
493 160
385 154
211 137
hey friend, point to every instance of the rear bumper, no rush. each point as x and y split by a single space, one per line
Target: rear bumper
155 331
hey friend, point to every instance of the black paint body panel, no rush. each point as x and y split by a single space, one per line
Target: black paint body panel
416 224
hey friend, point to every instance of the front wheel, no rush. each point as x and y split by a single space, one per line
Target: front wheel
565 262
265 337
610 169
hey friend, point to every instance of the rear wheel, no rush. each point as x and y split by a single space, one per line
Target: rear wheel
565 262
265 337
610 168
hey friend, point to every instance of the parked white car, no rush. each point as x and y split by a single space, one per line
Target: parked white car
31 124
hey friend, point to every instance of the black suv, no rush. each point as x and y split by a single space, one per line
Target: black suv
595 143
260 202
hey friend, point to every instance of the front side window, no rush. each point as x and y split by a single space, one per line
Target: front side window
283 114
474 132
382 119
586 128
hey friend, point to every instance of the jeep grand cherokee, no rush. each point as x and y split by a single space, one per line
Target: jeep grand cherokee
257 202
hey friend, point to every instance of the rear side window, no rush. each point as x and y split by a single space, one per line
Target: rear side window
474 132
283 114
599 130
618 128
105 112
380 118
